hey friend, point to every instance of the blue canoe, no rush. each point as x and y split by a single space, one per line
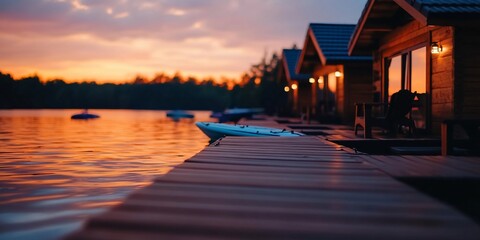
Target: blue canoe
177 114
84 115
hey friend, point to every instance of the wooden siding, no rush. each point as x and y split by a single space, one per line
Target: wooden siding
358 88
402 38
377 76
442 80
467 72
304 97
341 88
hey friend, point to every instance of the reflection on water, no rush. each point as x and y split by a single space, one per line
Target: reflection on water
55 172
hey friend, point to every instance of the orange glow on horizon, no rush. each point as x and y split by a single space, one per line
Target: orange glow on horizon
101 78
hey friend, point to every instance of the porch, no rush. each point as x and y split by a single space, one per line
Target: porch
456 139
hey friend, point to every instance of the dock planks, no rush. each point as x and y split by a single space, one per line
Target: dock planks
426 166
278 188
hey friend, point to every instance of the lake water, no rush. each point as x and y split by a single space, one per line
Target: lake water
56 172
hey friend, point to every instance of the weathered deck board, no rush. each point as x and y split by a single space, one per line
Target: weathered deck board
425 166
281 188
279 169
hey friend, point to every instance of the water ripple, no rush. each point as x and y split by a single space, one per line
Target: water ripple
56 172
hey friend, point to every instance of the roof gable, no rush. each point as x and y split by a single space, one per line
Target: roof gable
290 61
330 42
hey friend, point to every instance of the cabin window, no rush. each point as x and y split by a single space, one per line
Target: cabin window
394 75
409 71
419 71
326 95
418 83
331 91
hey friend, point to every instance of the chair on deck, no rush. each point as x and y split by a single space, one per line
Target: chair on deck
401 104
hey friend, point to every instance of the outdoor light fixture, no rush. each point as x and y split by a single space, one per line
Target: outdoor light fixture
286 89
320 80
311 80
294 86
436 48
338 74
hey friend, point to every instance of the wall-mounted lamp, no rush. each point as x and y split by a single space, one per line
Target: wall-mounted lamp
286 89
294 86
436 48
320 80
338 74
311 80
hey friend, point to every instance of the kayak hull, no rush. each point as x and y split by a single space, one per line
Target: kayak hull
219 130
84 116
177 114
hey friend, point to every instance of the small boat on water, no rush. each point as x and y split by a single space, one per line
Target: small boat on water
84 115
177 114
218 130
235 114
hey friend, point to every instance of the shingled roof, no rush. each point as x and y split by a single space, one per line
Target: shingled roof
442 12
290 61
428 7
330 42
333 40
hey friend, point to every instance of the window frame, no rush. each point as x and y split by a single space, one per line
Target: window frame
406 76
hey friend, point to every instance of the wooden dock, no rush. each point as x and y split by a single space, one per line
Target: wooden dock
279 188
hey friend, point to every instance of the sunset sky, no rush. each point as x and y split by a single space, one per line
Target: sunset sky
114 40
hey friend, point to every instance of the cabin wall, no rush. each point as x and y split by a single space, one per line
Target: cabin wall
399 40
340 101
377 76
443 77
355 85
321 105
304 98
440 69
358 87
467 72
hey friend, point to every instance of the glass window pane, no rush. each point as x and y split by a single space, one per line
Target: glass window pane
332 83
395 76
419 85
419 70
331 89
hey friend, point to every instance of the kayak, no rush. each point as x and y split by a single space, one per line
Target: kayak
235 114
84 115
179 114
218 130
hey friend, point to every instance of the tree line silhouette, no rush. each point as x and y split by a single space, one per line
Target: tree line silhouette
258 88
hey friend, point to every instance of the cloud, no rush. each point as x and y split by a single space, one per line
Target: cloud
208 37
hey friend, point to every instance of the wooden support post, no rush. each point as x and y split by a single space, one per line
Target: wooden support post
447 138
471 128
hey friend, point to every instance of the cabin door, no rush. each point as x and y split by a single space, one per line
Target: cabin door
409 71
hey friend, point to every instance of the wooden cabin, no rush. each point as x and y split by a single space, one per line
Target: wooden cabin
295 85
339 80
428 47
